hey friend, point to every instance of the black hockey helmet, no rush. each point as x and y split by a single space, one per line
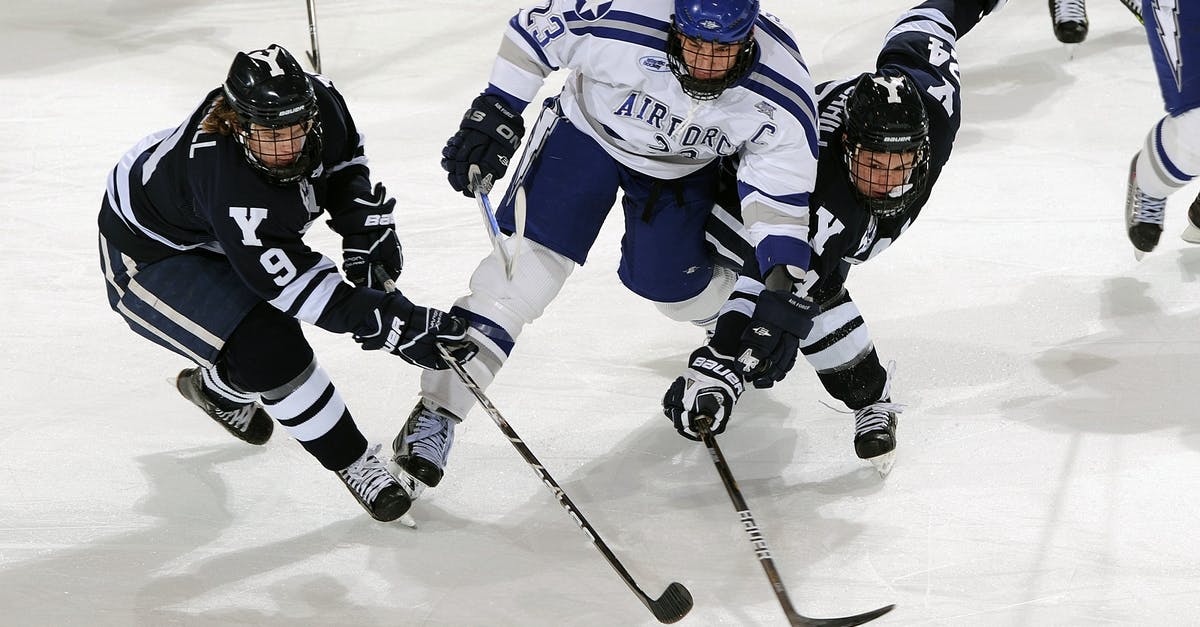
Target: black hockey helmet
722 22
886 116
267 88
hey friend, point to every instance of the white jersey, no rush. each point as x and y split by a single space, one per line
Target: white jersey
621 92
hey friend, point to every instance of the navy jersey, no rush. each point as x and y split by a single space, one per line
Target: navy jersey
184 189
921 45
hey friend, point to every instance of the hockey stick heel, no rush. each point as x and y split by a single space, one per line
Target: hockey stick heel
760 543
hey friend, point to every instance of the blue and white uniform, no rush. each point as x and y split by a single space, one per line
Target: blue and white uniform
623 123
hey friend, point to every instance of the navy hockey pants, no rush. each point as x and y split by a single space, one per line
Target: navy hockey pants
188 303
570 184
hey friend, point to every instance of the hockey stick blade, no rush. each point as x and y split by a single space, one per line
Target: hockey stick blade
673 604
761 551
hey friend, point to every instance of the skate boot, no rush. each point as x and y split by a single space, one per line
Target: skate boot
1070 20
376 489
247 422
875 434
423 446
1143 215
1191 234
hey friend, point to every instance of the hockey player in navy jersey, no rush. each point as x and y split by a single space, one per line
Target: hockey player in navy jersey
1170 156
201 245
657 92
885 137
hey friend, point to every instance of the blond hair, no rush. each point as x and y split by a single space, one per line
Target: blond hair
221 118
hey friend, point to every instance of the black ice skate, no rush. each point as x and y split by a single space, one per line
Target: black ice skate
875 434
376 489
1191 234
249 423
1143 215
1069 18
422 448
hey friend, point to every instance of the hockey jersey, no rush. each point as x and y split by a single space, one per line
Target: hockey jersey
184 189
621 92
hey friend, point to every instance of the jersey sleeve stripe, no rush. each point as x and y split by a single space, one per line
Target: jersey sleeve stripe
928 21
306 296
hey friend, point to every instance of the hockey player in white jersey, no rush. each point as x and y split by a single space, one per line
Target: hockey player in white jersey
201 245
1170 157
885 137
657 92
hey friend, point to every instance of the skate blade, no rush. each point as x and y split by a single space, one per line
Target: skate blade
1137 254
1191 234
883 463
408 521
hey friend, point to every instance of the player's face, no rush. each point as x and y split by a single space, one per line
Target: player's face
876 174
277 147
708 60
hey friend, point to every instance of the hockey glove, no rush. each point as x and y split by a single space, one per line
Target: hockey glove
369 239
770 342
489 134
710 387
412 332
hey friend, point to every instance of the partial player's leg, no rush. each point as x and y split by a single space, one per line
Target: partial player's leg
667 254
1170 157
570 184
839 347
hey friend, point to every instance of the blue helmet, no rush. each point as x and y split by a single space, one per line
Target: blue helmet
722 21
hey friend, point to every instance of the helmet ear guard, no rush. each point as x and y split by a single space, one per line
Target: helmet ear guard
267 88
886 115
721 22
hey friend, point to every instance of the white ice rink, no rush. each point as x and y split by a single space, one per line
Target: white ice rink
1048 459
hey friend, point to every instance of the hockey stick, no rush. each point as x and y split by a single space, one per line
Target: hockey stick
314 55
1135 8
489 216
760 544
675 601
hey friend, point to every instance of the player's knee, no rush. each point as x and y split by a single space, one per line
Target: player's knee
538 275
1178 138
707 303
267 350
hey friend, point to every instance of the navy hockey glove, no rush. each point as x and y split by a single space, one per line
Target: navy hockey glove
489 134
369 242
412 332
772 338
710 387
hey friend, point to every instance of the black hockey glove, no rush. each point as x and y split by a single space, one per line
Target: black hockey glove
488 136
412 332
710 386
369 239
772 338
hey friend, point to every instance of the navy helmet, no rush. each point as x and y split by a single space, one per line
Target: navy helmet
885 114
268 88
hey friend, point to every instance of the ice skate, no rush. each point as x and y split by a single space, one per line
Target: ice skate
875 435
1191 234
1143 215
422 448
248 422
1069 18
375 488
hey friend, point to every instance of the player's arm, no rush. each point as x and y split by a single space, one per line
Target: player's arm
535 43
